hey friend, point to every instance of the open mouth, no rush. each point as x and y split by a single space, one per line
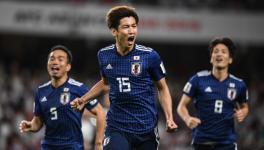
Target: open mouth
219 59
55 68
130 39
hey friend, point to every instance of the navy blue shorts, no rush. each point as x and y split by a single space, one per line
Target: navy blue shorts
118 140
232 146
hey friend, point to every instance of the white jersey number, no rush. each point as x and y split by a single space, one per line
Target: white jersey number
124 84
218 106
53 111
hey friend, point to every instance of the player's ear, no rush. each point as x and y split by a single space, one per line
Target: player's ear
230 60
68 67
211 59
113 31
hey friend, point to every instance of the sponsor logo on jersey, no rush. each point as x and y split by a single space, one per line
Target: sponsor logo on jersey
136 68
106 141
43 99
109 66
65 98
93 102
208 89
162 68
187 87
231 93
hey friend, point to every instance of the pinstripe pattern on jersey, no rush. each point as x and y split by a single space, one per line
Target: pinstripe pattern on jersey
133 105
215 106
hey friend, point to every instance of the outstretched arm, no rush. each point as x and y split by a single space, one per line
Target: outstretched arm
166 103
31 126
182 110
99 88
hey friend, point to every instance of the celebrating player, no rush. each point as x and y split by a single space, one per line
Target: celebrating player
218 97
131 72
52 107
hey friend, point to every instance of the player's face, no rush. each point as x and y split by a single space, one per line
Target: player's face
126 33
58 65
220 57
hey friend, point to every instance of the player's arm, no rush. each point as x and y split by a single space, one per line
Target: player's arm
166 103
182 110
99 88
31 126
241 112
98 111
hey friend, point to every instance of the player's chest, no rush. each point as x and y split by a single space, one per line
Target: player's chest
126 66
215 90
56 98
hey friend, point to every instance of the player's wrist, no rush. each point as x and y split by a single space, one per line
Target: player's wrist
82 100
97 143
186 119
169 119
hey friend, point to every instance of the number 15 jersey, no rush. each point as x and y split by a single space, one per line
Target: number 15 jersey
132 94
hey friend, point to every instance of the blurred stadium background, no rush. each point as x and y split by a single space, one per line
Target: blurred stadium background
179 30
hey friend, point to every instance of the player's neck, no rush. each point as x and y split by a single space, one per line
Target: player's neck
220 74
57 82
123 50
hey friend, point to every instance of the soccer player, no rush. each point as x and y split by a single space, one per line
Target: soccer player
131 72
52 107
219 97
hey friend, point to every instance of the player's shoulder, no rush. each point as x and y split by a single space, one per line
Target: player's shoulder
74 82
203 73
44 85
144 48
107 48
237 80
200 75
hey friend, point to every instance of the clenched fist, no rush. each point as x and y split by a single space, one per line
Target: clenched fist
77 104
171 126
25 126
192 122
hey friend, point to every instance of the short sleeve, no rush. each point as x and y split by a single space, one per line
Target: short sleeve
243 97
190 87
157 70
100 64
90 105
37 107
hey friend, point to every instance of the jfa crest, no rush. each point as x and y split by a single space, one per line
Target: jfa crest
231 93
136 68
65 98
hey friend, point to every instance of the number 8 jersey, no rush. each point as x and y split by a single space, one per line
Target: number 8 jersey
132 94
215 102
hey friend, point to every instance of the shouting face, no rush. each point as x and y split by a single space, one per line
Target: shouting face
58 65
126 33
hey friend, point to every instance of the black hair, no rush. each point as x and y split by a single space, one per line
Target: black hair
227 42
115 14
65 49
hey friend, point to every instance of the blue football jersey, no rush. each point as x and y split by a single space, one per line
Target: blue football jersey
52 105
215 102
132 94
